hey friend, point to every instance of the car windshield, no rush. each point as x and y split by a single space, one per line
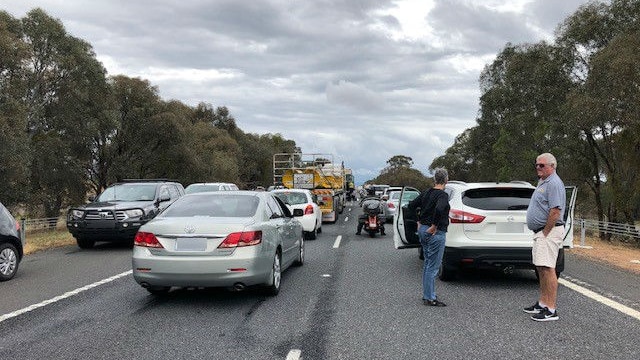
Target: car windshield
196 188
213 205
498 198
128 192
292 198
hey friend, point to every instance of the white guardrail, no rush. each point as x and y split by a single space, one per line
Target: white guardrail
607 227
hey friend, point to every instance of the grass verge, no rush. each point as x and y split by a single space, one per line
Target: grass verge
47 239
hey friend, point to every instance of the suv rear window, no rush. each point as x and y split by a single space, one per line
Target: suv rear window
497 198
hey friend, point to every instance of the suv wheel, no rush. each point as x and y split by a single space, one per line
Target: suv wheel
8 261
446 273
84 243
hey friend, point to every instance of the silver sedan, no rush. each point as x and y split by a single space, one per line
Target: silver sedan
219 239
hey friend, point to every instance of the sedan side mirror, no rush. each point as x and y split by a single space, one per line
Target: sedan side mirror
298 212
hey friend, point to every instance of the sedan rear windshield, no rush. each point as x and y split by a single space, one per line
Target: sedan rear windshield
292 198
497 198
213 205
201 188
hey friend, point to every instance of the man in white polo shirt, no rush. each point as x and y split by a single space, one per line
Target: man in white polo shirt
545 218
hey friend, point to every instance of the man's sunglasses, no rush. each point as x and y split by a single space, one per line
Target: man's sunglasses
540 166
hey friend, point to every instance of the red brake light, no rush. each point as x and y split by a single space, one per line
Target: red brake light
308 210
390 205
239 239
17 225
146 239
459 216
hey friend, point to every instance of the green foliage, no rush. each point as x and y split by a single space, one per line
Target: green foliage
399 172
67 130
578 99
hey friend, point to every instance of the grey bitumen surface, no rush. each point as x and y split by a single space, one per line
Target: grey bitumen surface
360 301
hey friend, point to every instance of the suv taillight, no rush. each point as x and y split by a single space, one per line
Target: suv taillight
459 216
17 225
308 210
239 239
390 205
147 240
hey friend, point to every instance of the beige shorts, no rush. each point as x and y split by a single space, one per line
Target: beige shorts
545 249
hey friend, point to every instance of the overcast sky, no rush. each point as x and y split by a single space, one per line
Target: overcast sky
363 80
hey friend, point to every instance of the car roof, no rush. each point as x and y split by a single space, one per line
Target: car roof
489 184
291 190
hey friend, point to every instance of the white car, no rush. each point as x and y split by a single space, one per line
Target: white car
306 201
487 227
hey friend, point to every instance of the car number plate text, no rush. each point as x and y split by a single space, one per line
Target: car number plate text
191 244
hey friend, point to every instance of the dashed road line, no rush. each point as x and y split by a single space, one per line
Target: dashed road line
63 296
336 244
294 354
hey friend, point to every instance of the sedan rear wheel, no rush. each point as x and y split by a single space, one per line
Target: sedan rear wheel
276 274
8 261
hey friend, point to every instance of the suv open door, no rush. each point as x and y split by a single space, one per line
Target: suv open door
405 224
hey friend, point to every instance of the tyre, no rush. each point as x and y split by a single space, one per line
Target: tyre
273 288
421 253
310 235
300 260
319 229
84 243
446 273
158 290
9 261
372 233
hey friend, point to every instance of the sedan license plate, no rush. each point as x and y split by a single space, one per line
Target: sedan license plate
191 244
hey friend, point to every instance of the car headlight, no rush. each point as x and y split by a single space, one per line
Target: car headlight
77 214
134 213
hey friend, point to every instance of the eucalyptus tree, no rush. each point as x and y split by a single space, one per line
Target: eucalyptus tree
14 145
64 89
602 41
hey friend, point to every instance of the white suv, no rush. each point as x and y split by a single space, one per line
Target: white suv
487 227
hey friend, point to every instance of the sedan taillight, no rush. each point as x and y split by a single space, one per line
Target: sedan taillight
146 239
308 210
239 239
459 216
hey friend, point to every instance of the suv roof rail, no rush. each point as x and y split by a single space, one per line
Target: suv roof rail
457 182
520 182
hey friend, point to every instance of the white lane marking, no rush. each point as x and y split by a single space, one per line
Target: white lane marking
346 218
63 296
326 275
336 244
294 354
599 298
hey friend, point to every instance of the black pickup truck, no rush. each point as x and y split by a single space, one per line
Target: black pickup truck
120 210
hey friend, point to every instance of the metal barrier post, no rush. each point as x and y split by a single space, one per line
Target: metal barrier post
23 230
582 232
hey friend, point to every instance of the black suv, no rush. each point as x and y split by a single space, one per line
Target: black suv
118 213
11 244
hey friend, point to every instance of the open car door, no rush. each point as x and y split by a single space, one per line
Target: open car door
572 193
405 223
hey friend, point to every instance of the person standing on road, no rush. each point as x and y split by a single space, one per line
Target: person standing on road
432 230
545 218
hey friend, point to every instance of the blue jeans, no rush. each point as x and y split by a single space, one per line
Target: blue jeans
433 249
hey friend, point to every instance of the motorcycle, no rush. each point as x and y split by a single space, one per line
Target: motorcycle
373 221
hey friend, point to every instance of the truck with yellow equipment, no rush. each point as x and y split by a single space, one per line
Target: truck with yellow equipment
316 172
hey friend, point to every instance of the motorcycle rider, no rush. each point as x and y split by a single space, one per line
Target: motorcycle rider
370 202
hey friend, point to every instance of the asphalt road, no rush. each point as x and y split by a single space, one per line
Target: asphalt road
358 298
